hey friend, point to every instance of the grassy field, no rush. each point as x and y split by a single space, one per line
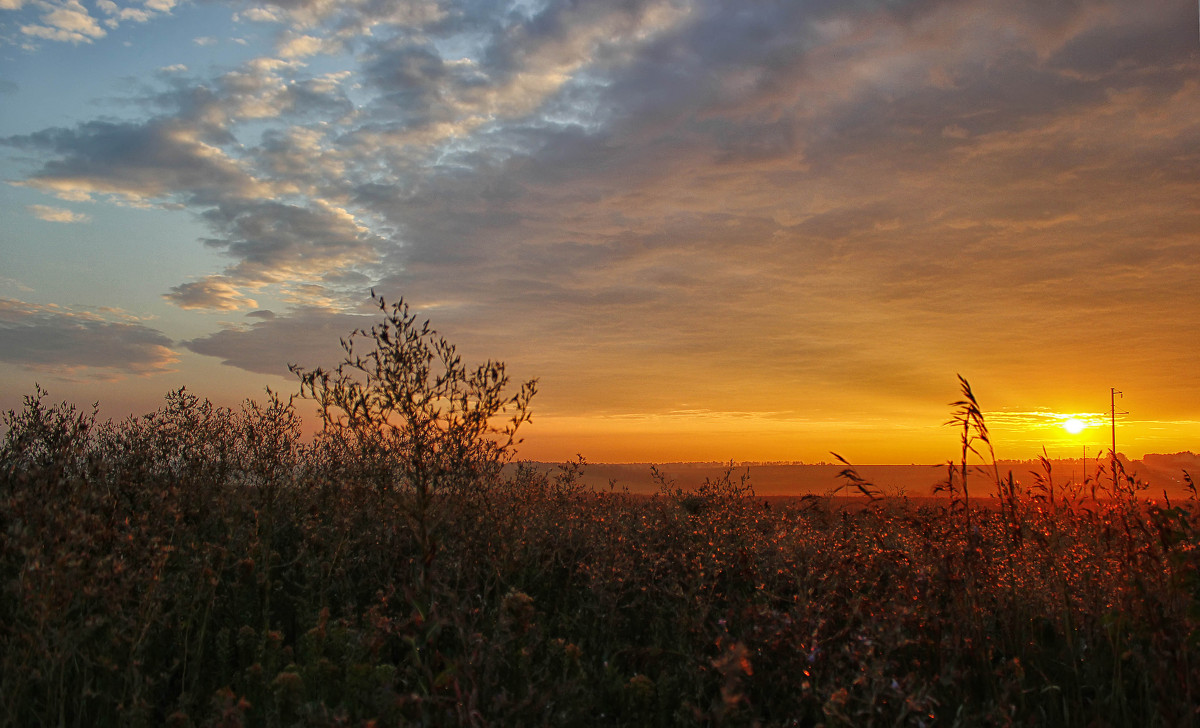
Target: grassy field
199 566
206 567
914 482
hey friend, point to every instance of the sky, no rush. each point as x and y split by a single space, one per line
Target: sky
712 230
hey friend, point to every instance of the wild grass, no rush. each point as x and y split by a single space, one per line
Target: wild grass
201 566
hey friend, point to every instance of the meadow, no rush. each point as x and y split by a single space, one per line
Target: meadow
202 566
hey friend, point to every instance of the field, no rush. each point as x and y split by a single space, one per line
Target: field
205 566
915 482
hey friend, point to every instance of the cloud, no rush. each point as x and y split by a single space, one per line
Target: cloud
69 21
266 88
274 243
74 342
795 183
301 46
258 15
352 17
56 214
310 252
135 161
13 284
215 293
117 13
427 98
653 201
307 336
188 158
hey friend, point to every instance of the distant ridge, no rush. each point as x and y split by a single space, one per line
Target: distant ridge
779 478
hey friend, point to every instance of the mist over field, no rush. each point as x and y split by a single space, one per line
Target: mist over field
1159 472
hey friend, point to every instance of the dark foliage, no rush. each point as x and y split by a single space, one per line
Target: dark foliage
205 566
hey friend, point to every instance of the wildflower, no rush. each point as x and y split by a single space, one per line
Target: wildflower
517 611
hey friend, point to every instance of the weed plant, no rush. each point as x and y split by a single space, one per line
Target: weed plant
201 566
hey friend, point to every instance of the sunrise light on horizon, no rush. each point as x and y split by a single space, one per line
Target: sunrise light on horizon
1074 425
711 230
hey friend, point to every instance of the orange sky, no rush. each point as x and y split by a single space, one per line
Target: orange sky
712 230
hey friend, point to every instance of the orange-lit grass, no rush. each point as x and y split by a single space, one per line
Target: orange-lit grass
203 566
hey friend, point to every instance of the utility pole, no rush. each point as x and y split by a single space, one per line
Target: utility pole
1083 464
1113 393
1112 413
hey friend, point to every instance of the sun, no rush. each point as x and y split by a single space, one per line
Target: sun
1074 426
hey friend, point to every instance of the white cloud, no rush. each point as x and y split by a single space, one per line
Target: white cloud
258 15
56 214
69 21
300 46
135 15
63 35
351 17
73 17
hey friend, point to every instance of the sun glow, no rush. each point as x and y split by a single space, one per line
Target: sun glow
1074 426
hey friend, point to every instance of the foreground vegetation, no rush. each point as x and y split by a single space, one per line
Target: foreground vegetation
202 566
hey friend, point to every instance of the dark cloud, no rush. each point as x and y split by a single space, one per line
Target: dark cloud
307 337
303 157
1133 38
134 160
273 241
70 342
411 78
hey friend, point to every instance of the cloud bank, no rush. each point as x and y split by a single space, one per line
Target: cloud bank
83 344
